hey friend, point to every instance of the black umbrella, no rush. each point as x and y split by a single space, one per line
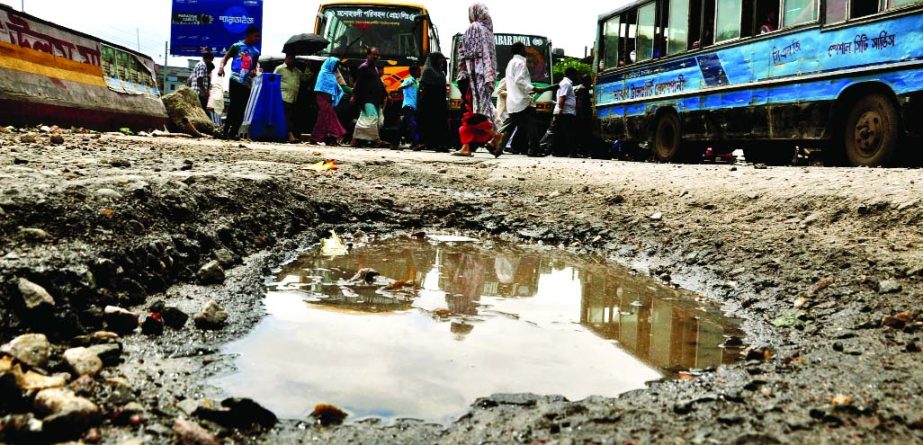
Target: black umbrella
305 44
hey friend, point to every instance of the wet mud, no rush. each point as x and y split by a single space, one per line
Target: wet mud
822 265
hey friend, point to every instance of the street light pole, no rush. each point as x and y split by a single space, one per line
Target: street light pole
23 6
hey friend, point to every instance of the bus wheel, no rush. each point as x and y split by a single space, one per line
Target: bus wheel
871 134
667 138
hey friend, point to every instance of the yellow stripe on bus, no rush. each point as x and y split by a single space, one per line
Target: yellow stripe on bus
17 58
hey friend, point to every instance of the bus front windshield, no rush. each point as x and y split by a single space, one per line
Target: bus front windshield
396 32
536 55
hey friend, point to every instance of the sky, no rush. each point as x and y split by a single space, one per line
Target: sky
130 22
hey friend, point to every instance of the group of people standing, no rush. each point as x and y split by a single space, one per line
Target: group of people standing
512 128
508 127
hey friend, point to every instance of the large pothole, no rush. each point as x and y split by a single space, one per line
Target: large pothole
419 328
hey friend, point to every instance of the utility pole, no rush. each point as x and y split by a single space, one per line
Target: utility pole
166 55
23 6
138 31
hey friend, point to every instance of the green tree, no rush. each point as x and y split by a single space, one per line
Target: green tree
583 69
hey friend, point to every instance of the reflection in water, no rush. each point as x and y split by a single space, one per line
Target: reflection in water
467 320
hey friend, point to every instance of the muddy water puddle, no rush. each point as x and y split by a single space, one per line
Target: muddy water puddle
421 328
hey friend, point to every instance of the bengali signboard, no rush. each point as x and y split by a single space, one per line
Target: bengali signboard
213 25
24 32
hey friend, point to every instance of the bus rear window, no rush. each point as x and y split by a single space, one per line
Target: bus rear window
797 12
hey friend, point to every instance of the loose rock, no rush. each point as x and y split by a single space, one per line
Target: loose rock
34 297
174 317
121 321
83 361
109 353
33 235
211 273
67 415
328 415
152 325
889 287
30 349
186 432
211 317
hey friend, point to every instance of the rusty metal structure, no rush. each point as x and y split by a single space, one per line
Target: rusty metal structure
766 75
55 75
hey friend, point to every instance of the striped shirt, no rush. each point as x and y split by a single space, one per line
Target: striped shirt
200 72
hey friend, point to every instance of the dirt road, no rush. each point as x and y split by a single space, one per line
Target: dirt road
824 265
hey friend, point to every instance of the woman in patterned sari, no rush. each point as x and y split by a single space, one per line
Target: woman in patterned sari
477 77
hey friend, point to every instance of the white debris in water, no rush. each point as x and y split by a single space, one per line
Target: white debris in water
333 246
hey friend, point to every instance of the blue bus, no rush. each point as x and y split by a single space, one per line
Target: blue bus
845 76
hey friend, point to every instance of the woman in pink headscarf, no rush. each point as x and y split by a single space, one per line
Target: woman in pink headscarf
477 75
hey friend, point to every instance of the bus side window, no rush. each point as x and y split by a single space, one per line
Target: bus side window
610 45
701 23
862 8
892 4
835 11
727 20
797 12
660 28
645 39
628 32
759 17
678 26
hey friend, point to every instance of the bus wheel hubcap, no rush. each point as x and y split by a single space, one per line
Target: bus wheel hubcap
868 132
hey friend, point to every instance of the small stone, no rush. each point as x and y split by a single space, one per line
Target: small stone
211 317
225 257
328 415
33 381
889 287
57 139
121 321
67 415
30 349
33 234
174 317
83 361
760 166
236 413
811 219
152 324
841 400
186 432
108 193
657 216
27 139
109 353
34 297
211 273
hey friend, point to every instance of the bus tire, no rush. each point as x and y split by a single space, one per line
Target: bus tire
668 139
872 131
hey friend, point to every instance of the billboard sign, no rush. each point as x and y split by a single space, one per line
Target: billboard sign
214 25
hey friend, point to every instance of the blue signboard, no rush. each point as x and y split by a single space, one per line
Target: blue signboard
214 25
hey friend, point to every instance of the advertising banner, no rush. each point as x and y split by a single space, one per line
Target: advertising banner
214 25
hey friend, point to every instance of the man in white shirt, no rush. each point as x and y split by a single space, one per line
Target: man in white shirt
519 90
565 114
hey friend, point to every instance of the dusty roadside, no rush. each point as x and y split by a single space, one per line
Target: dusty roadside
824 265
